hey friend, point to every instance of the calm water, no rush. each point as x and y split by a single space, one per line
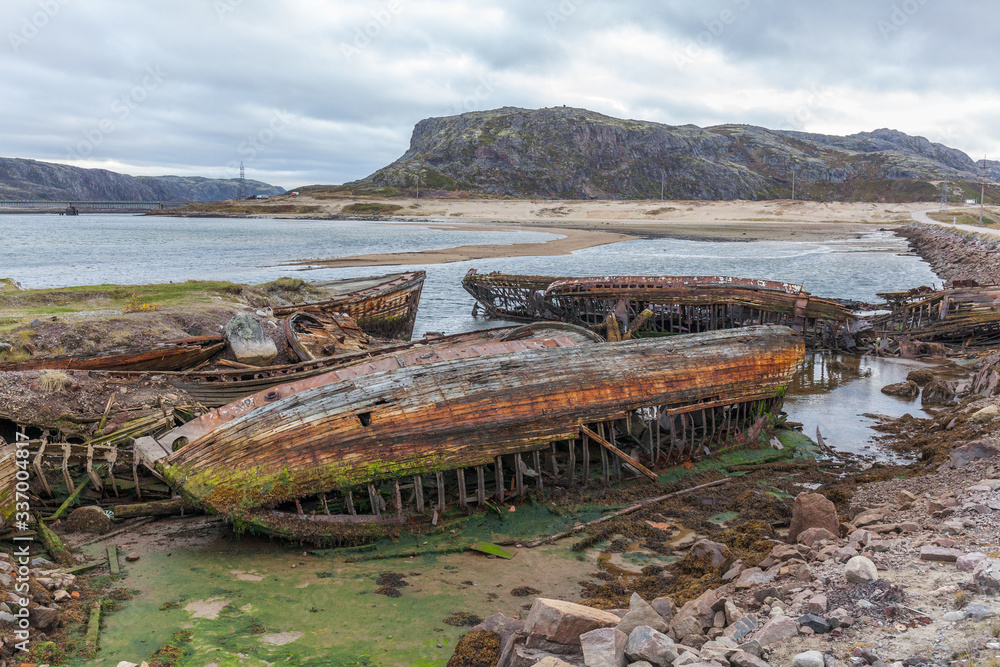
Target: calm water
53 251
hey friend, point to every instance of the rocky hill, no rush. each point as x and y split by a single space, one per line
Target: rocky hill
575 153
28 179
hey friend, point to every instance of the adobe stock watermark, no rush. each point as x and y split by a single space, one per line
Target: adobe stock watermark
34 23
121 109
366 34
715 28
256 143
562 13
224 7
488 84
901 14
796 120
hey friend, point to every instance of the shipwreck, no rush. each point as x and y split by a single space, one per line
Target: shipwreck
636 306
344 447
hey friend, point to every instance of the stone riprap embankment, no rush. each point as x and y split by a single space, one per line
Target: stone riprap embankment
955 254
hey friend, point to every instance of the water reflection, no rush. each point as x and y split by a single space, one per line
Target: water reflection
835 391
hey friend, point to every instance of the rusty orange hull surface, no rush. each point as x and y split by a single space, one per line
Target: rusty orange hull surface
167 356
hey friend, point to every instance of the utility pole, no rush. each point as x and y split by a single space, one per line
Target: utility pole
944 195
982 195
241 190
793 180
662 178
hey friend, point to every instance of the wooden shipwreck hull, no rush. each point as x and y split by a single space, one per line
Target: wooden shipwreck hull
964 315
467 413
674 304
173 355
384 306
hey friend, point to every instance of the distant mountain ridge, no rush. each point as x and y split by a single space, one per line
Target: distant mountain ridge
22 179
579 154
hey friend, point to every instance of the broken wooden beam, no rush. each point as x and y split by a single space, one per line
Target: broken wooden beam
619 453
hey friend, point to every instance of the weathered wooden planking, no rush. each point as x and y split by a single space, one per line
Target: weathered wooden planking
166 356
465 413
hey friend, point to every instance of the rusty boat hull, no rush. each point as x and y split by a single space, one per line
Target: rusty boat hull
383 306
462 413
318 334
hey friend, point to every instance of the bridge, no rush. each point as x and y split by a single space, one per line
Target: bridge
66 206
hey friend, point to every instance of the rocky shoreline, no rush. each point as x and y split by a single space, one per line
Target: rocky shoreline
956 255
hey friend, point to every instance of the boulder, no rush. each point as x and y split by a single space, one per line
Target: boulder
744 659
91 519
817 604
986 575
809 659
811 536
817 624
968 562
501 625
742 628
908 389
939 554
972 451
604 647
654 647
936 393
688 625
752 576
716 554
812 510
563 622
869 517
249 343
776 630
905 499
522 656
44 618
639 613
987 414
920 376
553 661
665 607
860 570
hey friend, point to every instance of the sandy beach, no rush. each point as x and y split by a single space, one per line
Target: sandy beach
584 224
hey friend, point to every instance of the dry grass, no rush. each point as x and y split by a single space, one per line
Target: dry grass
54 382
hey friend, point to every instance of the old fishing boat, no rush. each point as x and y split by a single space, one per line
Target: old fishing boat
216 388
318 334
383 306
965 314
171 355
398 430
663 305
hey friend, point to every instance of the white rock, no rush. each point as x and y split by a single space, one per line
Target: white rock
953 617
860 570
808 659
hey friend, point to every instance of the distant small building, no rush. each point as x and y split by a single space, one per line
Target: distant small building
971 201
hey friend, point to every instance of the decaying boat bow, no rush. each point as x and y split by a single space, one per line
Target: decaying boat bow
171 355
664 399
384 306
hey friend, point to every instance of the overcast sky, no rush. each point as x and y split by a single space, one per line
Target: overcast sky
327 91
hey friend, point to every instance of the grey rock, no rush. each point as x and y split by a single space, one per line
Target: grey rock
986 575
817 624
979 449
641 613
647 644
939 554
8 619
687 658
604 647
689 625
742 628
752 647
44 618
978 612
717 554
809 659
953 617
249 343
744 659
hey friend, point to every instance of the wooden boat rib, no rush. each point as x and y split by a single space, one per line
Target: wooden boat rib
317 335
384 306
455 414
171 355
